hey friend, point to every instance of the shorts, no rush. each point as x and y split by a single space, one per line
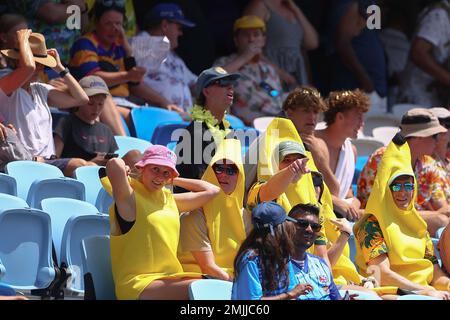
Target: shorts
122 102
60 163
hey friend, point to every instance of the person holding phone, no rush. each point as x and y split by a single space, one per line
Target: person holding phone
81 135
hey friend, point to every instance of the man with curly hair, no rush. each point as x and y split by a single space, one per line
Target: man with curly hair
344 118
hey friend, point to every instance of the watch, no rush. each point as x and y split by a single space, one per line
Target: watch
63 73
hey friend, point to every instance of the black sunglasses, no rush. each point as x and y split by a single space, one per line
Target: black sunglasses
305 223
219 169
110 3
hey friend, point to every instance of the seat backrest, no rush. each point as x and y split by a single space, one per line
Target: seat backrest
210 289
26 248
6 290
366 147
234 121
146 119
126 144
60 211
385 134
77 228
26 172
104 201
88 175
262 123
8 184
11 202
373 122
55 188
163 132
96 259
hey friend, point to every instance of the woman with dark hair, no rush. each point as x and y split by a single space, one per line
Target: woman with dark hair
263 268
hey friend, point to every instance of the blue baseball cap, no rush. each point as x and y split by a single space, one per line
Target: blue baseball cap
169 11
268 215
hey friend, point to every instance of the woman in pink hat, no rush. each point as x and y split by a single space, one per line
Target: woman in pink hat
145 225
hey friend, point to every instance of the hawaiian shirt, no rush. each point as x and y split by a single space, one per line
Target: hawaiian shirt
371 241
432 181
252 99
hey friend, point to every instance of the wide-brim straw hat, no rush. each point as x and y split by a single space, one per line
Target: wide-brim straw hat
38 48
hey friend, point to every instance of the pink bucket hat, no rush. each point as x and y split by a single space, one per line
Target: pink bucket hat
161 156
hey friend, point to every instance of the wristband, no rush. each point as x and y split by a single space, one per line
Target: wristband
347 233
63 73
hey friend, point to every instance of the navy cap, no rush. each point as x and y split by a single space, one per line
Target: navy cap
212 74
268 215
169 11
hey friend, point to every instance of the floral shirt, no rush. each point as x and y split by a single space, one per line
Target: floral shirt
251 99
371 241
173 81
433 182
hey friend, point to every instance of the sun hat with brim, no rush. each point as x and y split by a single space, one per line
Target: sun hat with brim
443 115
93 85
161 156
420 122
268 215
38 48
249 22
210 75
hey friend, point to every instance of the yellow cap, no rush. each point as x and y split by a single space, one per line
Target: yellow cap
247 22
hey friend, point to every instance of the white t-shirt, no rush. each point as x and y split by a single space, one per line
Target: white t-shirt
435 28
31 117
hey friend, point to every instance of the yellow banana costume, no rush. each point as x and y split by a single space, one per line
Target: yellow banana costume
344 271
149 250
224 213
404 231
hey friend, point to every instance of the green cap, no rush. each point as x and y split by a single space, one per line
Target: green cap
290 147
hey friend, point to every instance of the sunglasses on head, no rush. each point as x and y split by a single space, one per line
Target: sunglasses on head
302 223
408 186
229 170
110 3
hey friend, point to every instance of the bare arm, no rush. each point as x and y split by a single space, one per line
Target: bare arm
421 55
349 27
152 97
123 194
62 99
113 78
23 73
279 182
201 193
207 263
310 38
335 251
321 251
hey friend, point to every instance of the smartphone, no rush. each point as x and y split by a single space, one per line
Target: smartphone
110 156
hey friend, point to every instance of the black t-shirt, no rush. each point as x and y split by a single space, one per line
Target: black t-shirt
83 140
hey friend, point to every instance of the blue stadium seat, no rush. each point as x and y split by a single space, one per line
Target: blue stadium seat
60 211
126 144
26 172
8 184
6 290
89 176
104 201
96 259
210 289
26 249
55 188
146 119
163 132
234 121
125 126
11 202
246 135
77 228
361 295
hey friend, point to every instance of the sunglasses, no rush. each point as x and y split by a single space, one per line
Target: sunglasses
219 169
302 223
110 3
223 82
396 187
